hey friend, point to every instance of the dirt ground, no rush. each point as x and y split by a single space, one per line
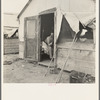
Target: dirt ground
17 70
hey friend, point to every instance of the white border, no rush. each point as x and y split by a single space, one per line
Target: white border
54 91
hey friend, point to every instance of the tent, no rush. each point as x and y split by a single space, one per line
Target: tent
10 24
11 32
66 16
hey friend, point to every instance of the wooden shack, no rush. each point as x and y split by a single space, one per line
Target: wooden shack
10 32
64 18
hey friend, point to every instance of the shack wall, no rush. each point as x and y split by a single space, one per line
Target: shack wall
11 46
82 57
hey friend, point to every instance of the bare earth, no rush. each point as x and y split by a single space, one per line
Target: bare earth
21 71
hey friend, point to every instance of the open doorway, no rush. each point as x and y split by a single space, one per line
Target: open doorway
47 27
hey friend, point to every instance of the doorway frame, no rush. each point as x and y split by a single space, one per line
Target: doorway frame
38 18
49 11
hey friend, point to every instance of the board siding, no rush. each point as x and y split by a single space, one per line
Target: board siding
79 60
11 46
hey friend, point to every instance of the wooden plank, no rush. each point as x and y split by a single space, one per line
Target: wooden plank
11 51
83 49
31 48
7 42
14 46
48 11
94 35
11 46
79 54
55 38
39 38
11 40
73 64
25 32
78 45
46 63
36 38
31 37
11 43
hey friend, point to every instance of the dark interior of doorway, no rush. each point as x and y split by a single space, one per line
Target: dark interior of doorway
47 26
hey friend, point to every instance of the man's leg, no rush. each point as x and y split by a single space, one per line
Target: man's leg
50 52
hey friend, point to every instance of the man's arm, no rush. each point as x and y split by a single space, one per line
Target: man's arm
50 44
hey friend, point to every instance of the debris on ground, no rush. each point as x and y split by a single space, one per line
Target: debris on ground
89 79
33 62
54 71
79 77
17 59
7 62
10 62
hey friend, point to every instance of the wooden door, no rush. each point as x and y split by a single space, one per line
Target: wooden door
31 38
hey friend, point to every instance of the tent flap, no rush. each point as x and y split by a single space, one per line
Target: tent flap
73 19
66 31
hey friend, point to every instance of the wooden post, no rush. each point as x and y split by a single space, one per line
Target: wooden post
25 27
94 35
38 37
55 37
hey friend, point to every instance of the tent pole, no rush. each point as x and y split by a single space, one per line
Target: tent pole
94 35
70 49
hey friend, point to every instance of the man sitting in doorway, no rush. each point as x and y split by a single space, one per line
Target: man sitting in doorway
49 41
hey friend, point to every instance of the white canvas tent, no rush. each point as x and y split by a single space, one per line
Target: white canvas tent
10 24
10 32
74 11
78 10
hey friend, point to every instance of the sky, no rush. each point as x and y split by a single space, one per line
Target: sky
13 6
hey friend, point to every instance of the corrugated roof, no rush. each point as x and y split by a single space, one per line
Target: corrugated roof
10 20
